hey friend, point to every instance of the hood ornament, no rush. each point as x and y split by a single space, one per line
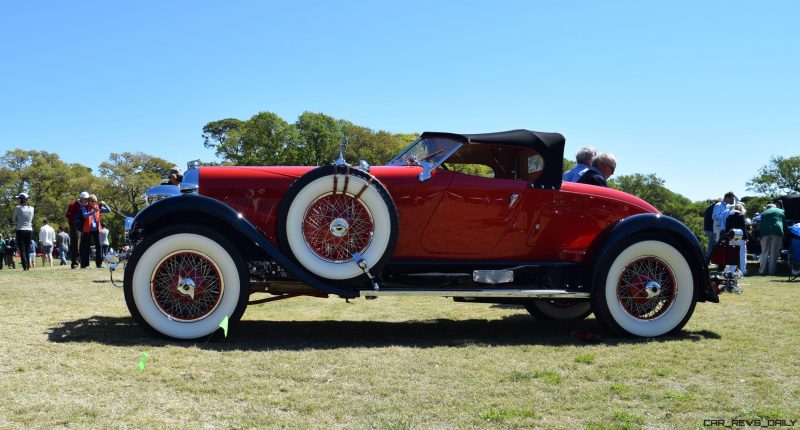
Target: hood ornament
342 149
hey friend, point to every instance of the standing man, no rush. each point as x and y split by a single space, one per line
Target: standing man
23 217
603 167
75 221
2 251
719 211
708 227
47 237
62 242
584 158
772 220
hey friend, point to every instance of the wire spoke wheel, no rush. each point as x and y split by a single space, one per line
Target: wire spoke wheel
336 226
331 213
187 286
646 288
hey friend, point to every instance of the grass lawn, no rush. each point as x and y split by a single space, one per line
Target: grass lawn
69 353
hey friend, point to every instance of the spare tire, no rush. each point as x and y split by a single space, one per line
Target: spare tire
332 213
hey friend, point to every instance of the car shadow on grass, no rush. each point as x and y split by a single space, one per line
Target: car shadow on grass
327 334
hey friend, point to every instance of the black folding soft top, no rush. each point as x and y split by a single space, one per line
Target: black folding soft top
549 145
791 206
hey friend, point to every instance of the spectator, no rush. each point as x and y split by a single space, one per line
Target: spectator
75 221
11 249
584 158
175 176
23 217
62 243
708 227
32 255
603 166
2 251
47 236
735 220
771 230
91 231
104 240
719 210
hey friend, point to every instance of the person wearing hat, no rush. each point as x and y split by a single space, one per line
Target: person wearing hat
75 221
175 176
23 217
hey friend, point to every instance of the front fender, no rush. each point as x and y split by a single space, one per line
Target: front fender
674 231
186 206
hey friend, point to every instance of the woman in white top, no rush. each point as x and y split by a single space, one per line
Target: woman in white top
23 217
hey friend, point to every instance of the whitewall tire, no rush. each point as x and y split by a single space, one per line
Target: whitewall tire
646 289
182 282
327 217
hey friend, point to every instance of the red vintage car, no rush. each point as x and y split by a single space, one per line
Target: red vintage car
415 226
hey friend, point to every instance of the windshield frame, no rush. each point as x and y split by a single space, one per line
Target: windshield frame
401 159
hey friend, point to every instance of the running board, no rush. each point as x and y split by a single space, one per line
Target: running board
494 293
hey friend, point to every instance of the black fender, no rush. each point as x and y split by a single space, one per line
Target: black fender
672 230
189 208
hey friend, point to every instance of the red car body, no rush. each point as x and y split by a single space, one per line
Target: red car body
462 217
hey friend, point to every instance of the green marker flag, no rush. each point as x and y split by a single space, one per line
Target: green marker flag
142 361
224 325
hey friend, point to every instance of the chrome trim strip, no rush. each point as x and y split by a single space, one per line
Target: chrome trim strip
499 293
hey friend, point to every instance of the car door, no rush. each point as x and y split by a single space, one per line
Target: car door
473 215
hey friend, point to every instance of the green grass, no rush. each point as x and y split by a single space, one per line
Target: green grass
69 351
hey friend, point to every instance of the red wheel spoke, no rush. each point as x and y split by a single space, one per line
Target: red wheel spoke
637 282
186 286
336 226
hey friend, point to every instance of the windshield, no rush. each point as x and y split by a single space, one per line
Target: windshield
432 150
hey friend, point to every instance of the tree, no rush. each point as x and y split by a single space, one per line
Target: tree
216 132
47 179
263 140
373 147
319 136
649 188
779 176
127 176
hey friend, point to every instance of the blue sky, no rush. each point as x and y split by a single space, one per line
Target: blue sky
700 93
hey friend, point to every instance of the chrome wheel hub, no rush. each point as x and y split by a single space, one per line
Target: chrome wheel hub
186 286
339 227
652 289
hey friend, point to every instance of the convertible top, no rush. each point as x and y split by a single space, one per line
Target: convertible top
549 145
791 205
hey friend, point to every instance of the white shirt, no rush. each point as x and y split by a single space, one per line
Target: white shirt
104 236
47 235
719 209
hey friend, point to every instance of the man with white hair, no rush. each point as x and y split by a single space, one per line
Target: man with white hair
603 167
584 158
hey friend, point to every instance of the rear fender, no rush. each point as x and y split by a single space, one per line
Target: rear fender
194 208
672 230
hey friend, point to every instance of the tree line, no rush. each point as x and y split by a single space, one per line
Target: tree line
313 139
